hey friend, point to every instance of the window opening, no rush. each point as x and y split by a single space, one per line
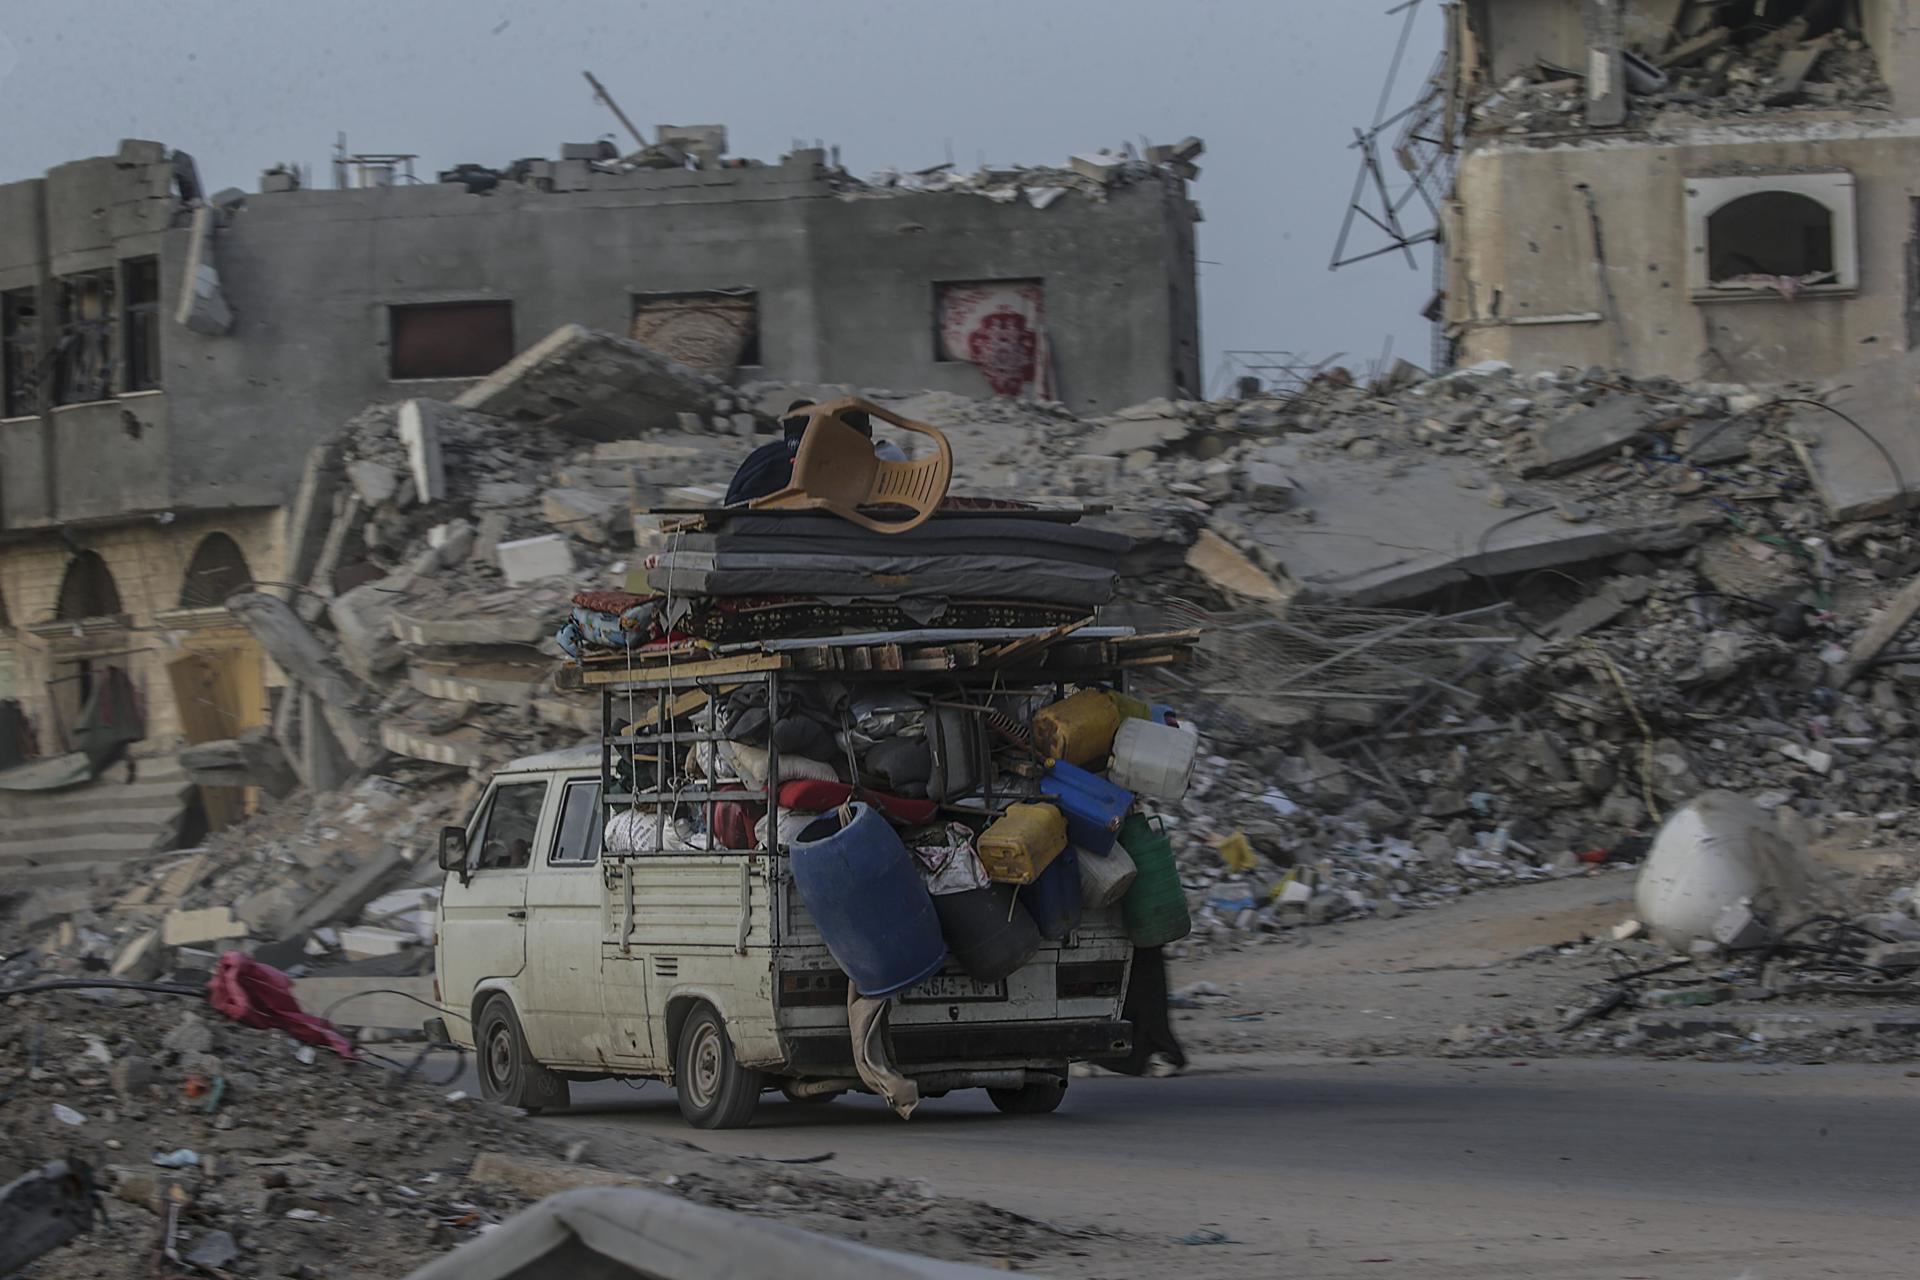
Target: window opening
140 277
715 331
507 832
19 353
578 839
449 339
83 359
88 590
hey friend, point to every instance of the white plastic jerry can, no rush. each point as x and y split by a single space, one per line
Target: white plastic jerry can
1154 760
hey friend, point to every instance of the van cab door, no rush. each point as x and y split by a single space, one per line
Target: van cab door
565 1017
483 922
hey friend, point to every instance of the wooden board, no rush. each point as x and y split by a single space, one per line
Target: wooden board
657 673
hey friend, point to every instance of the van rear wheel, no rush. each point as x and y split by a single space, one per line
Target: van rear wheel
509 1075
1036 1098
715 1091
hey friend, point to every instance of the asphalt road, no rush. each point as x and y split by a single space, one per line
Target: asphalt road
1314 1168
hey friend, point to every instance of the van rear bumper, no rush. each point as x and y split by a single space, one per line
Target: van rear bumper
1002 1042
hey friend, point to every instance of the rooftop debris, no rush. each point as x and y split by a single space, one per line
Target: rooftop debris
1722 62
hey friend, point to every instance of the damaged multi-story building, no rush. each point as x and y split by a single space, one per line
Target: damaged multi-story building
172 355
1719 191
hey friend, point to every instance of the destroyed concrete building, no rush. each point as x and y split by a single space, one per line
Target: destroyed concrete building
1693 190
172 356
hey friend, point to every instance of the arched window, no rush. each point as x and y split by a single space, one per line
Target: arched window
217 570
88 590
1771 233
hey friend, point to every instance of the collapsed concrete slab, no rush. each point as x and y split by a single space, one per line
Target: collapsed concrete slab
333 694
1376 533
593 385
254 759
1866 463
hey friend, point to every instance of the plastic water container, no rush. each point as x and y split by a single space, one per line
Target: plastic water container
1155 908
1079 729
863 890
1106 877
1094 807
1054 899
1154 760
989 935
1020 845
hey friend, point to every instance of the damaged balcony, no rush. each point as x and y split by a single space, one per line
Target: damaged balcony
1534 69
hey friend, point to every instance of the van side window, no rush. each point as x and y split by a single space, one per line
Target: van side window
578 839
512 821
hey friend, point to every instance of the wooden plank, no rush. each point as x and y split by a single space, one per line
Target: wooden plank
1155 638
1027 646
743 665
1887 624
889 657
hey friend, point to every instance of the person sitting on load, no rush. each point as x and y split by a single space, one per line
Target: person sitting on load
769 469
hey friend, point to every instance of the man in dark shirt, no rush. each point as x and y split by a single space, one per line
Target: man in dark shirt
769 469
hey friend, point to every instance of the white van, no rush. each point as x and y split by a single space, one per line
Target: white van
704 970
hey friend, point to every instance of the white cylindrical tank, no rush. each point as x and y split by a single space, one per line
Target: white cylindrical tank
1714 851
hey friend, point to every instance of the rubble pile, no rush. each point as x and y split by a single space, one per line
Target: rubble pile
239 1150
1461 632
1720 66
222 1150
1093 174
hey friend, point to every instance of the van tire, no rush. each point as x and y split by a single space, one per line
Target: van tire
1037 1098
509 1075
715 1091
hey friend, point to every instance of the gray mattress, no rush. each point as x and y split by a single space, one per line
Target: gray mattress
975 536
870 577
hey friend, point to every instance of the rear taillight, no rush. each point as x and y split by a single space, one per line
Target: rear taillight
815 988
1098 980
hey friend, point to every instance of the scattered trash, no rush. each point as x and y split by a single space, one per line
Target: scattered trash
183 1158
67 1115
306 1055
214 1250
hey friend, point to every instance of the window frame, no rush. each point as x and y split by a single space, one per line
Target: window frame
596 836
1834 190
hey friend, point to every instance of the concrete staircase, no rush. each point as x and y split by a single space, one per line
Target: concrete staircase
56 838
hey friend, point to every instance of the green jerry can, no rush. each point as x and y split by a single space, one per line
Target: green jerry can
1155 908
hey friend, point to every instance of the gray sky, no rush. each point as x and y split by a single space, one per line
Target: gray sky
1273 86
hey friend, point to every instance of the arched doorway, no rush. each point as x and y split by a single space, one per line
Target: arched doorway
219 678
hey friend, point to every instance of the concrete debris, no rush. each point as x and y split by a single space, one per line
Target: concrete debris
1753 65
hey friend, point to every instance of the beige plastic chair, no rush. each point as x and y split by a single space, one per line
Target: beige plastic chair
836 471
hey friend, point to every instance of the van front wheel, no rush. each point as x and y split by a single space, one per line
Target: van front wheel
715 1091
508 1073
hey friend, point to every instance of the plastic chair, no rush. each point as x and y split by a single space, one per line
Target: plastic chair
836 470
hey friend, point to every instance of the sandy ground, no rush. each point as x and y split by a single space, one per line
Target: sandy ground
1397 986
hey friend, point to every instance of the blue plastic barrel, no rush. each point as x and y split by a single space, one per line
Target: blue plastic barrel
863 890
1054 900
1094 807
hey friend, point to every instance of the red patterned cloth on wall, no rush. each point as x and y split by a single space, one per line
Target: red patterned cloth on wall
1000 328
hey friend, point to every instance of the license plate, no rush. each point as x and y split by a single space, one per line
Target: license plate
946 988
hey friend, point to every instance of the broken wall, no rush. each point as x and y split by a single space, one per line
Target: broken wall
843 289
1515 36
1579 254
